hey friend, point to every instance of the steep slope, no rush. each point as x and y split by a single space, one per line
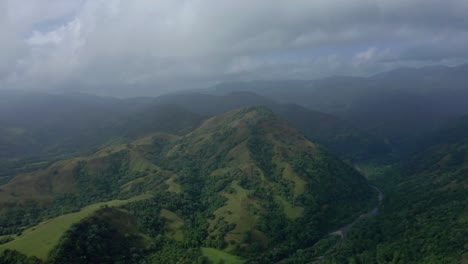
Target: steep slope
244 183
337 135
424 217
68 185
262 184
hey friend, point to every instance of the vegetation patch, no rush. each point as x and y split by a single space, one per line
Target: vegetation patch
173 186
299 183
108 236
39 240
174 225
218 256
291 212
239 216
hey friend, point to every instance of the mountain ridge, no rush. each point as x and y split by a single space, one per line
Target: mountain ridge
244 181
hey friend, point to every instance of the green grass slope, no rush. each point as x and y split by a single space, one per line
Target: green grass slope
39 240
217 256
243 184
260 183
336 134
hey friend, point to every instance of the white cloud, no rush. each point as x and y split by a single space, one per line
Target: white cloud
111 45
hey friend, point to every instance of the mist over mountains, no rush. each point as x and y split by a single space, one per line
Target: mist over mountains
248 172
394 104
234 132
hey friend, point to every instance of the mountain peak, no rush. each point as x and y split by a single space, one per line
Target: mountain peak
246 123
250 116
255 161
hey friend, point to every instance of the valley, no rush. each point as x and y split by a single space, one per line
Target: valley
233 132
227 178
251 169
341 232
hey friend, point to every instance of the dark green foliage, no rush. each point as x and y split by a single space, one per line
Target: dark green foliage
173 252
105 183
14 218
12 256
423 218
238 157
343 191
96 240
332 185
6 239
274 223
261 151
147 213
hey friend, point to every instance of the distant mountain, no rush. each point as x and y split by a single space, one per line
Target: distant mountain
336 134
442 150
38 128
33 124
397 105
244 185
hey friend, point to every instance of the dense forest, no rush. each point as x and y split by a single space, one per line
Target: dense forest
219 177
194 182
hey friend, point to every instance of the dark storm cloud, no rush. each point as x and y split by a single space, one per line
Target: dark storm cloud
148 46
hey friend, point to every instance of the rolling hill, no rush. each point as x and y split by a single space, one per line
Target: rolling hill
244 185
45 125
36 129
337 135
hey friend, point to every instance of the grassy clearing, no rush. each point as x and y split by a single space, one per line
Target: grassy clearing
239 155
292 212
139 163
215 256
299 183
40 239
174 225
240 210
128 186
173 186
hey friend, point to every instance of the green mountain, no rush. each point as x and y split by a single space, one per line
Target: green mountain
339 136
424 217
243 186
36 129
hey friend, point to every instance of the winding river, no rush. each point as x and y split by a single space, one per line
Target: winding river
342 231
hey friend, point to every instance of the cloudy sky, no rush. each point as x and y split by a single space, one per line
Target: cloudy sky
153 46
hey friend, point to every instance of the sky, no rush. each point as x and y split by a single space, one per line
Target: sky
149 47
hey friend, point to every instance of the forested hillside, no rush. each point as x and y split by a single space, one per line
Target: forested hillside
424 216
337 135
244 184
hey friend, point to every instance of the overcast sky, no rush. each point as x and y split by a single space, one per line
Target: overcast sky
134 47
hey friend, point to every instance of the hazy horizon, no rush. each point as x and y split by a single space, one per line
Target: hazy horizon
133 48
233 132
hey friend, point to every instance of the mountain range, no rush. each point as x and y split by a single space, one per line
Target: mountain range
243 182
338 170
